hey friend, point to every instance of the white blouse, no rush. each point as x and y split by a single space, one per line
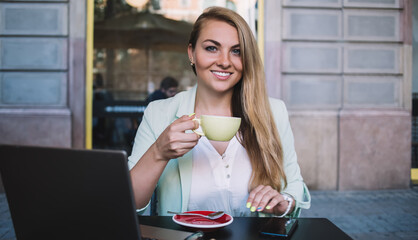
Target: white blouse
220 182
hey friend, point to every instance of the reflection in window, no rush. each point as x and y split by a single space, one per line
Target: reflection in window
134 49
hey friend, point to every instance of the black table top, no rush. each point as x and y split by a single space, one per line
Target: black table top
243 228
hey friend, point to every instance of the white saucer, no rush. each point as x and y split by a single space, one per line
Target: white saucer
201 222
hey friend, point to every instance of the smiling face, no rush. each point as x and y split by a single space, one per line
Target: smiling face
217 57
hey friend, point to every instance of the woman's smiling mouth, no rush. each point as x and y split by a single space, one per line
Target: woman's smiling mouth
222 75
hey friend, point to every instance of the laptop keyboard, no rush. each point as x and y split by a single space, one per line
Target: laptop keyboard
156 233
196 236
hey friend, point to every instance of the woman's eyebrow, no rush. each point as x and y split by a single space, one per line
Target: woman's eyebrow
218 43
213 41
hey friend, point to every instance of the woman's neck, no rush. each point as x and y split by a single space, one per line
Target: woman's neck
208 103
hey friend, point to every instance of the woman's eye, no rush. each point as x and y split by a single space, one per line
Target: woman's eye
236 51
210 48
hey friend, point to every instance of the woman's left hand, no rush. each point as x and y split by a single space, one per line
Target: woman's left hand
268 200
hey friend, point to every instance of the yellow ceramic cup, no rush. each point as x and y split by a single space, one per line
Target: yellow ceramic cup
218 128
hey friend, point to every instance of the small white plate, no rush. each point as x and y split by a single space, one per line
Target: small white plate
201 222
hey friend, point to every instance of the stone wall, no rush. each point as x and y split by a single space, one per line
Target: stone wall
42 72
343 67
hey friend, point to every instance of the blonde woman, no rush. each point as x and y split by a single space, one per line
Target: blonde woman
256 172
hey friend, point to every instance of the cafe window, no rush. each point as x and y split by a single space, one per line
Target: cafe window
134 49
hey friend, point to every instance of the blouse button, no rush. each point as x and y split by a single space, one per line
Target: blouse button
228 176
227 166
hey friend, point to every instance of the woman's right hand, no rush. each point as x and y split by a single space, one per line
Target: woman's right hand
174 142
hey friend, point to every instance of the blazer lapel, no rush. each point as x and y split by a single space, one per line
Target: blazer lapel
185 170
186 107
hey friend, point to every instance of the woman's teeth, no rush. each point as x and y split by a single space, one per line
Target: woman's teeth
222 74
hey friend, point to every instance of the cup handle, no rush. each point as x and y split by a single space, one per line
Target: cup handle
195 130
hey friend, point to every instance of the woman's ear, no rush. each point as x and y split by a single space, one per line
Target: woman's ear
190 53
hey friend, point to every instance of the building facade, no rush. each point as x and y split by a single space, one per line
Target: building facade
343 67
42 73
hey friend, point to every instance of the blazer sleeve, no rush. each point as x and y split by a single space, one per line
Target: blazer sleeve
144 138
295 185
157 116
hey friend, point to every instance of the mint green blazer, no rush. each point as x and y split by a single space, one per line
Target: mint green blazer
173 188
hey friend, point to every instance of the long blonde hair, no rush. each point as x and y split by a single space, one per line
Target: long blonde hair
258 131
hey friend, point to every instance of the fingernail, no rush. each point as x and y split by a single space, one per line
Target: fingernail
252 209
259 209
268 207
191 114
248 204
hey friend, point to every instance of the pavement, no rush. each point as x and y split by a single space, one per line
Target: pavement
369 215
363 215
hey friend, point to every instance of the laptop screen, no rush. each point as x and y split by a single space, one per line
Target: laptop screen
56 193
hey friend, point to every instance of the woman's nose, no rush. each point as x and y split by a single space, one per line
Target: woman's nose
223 60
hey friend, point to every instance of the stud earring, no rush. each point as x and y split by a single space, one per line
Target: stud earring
191 64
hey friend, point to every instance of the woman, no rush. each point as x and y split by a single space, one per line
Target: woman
256 172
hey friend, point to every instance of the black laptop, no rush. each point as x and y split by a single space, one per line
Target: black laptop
56 193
